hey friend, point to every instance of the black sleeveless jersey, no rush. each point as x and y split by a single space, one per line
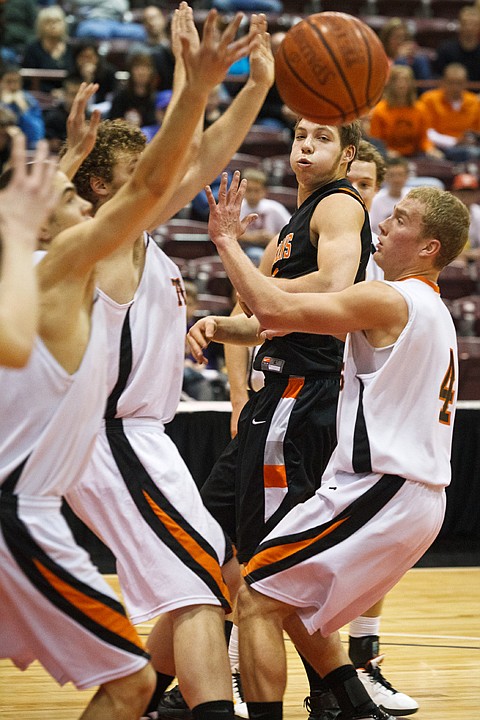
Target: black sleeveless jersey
305 354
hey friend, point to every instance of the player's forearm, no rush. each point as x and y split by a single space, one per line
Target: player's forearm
217 146
237 330
260 293
71 161
18 303
165 158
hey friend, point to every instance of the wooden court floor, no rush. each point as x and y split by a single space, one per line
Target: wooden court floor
430 637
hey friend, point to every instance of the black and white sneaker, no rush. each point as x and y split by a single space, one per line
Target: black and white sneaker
239 705
383 693
172 706
322 707
375 714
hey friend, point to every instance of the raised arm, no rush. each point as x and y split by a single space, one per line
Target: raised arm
221 140
162 164
24 204
81 133
366 306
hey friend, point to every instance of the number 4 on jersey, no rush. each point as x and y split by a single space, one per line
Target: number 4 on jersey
447 393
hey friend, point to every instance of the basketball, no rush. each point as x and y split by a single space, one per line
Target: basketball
331 68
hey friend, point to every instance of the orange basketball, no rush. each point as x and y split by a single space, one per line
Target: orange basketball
331 68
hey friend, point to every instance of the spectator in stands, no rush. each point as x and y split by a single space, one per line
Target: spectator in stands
161 103
398 121
453 115
155 24
272 215
104 20
93 68
23 105
8 127
365 122
465 47
19 25
401 49
51 50
392 191
136 101
207 382
55 118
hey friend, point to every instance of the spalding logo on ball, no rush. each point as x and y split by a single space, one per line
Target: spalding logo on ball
331 68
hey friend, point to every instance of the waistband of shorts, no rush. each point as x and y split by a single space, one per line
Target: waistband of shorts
35 502
273 377
117 424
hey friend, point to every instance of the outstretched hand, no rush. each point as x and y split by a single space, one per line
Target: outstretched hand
207 65
29 197
224 224
81 134
262 65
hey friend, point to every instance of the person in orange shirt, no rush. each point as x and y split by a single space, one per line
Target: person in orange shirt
453 114
398 121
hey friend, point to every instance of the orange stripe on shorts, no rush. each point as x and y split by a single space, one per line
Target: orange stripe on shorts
274 476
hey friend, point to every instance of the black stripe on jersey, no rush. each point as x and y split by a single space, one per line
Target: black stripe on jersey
138 481
355 516
361 457
124 367
10 482
25 550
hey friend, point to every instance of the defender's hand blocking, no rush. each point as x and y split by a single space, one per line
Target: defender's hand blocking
224 224
29 197
262 64
207 65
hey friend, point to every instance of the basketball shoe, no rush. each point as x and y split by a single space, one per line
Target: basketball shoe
172 706
239 704
381 691
376 714
322 707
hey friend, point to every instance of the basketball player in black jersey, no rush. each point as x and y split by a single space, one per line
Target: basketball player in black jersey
286 432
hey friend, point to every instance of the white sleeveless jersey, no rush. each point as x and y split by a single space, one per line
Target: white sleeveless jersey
396 410
52 417
146 342
373 271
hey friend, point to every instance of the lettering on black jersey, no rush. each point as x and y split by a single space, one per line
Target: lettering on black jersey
177 284
284 249
447 393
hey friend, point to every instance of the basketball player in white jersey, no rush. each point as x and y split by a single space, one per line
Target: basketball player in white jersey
24 204
366 174
54 605
323 564
168 547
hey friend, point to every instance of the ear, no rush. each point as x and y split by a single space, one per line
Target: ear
44 237
431 248
349 153
99 186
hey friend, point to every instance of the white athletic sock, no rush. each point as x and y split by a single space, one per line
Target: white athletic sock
363 625
233 654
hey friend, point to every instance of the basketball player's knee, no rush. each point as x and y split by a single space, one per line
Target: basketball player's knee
251 604
232 576
133 691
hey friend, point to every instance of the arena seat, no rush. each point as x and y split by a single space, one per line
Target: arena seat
469 368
